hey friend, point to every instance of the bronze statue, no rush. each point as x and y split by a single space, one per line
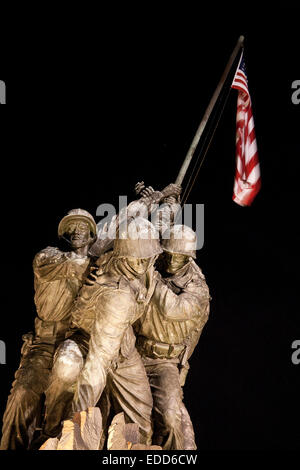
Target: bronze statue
108 304
84 332
58 276
167 334
71 354
122 295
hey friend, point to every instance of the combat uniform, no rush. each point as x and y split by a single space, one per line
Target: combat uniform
58 276
71 355
167 335
105 310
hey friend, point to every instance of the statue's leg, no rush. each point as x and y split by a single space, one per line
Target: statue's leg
20 418
105 408
24 404
67 365
130 393
187 429
167 402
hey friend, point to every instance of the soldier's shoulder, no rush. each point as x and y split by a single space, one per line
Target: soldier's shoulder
195 278
196 271
198 283
47 254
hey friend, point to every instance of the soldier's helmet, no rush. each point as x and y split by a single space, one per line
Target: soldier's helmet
180 239
75 215
137 238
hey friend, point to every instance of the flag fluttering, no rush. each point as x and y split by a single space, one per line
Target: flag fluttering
247 180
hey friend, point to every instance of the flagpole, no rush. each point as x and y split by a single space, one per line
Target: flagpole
208 112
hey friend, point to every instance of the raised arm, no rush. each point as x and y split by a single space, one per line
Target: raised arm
192 302
142 207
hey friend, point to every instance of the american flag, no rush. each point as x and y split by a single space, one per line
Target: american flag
247 176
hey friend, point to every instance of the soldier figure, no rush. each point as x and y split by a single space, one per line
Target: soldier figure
70 356
167 334
58 276
106 307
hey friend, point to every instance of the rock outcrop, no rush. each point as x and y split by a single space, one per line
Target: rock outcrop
84 432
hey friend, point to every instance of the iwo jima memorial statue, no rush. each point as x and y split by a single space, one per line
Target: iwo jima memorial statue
118 316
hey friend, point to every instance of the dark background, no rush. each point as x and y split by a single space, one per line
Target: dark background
95 106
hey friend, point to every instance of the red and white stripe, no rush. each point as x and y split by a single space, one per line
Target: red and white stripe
247 176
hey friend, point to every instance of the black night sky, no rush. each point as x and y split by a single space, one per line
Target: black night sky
118 102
